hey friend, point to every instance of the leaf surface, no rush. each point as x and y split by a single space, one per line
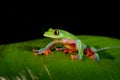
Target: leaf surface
18 62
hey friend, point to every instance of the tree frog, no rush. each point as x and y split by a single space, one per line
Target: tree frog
71 44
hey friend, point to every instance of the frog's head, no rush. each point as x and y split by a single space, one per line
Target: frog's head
54 33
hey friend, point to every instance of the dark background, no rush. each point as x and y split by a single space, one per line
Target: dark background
21 24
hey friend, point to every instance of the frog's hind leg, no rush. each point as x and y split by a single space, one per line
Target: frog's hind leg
90 52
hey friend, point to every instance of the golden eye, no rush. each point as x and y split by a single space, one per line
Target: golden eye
56 32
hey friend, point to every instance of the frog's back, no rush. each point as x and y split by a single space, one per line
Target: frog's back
68 35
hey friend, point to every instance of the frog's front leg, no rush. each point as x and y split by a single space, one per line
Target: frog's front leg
74 45
79 46
45 50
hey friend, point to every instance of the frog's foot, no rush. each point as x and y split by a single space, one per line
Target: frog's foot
95 57
35 52
65 50
41 51
74 57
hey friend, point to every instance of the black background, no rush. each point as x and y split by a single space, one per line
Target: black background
21 24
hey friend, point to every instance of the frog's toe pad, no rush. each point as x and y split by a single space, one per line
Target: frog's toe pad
73 57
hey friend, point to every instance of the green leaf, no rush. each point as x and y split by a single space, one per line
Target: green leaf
18 62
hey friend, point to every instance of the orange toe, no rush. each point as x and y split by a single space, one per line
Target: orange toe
35 53
92 57
73 57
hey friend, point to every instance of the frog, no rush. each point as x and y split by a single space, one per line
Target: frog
72 44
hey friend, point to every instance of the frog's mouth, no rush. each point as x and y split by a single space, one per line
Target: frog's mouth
53 37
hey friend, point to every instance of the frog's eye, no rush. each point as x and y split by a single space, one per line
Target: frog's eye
56 32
